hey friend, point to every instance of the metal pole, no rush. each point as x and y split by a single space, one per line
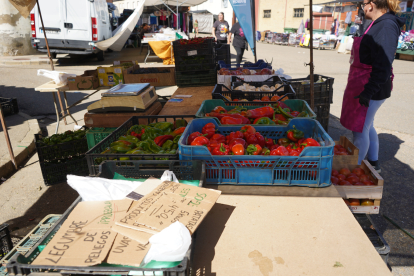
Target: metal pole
44 32
312 96
6 134
178 18
253 9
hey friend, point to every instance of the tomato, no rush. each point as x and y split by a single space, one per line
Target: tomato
346 201
367 202
354 202
341 177
344 183
358 184
342 150
369 183
337 147
352 179
345 171
334 180
265 99
352 174
275 98
364 177
335 172
358 171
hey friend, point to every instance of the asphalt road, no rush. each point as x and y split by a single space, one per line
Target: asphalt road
393 122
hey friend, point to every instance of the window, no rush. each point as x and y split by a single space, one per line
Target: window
266 13
298 12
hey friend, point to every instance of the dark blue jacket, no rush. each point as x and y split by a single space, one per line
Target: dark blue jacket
378 48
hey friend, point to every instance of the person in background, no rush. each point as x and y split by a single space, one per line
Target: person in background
370 76
196 26
221 29
239 40
145 28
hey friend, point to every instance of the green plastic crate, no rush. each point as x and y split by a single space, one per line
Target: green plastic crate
96 134
297 105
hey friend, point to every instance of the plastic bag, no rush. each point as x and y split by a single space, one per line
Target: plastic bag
60 78
169 245
169 176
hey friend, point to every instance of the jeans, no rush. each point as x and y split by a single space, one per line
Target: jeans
240 52
367 141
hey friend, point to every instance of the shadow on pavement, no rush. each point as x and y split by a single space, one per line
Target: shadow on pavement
397 199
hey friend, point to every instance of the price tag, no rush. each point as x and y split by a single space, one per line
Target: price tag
192 53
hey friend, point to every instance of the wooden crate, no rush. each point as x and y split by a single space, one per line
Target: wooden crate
407 57
366 209
370 192
352 150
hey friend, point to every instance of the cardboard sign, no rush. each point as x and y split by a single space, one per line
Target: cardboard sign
169 203
86 237
126 251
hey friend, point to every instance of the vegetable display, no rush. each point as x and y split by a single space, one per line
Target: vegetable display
243 71
63 138
248 141
357 177
155 138
340 150
196 40
150 71
359 202
279 114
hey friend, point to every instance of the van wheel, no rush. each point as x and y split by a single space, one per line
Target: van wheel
100 56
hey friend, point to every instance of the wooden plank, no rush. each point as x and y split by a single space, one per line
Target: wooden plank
352 150
50 86
189 106
117 119
259 235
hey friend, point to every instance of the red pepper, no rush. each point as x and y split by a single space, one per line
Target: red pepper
278 117
234 135
160 140
209 129
274 147
265 151
222 115
300 142
237 149
231 121
269 143
200 141
281 151
265 111
254 149
247 130
219 138
309 142
178 131
237 141
295 113
222 149
283 105
133 133
192 136
256 138
283 142
219 109
294 153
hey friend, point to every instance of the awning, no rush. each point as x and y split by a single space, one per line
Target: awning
188 3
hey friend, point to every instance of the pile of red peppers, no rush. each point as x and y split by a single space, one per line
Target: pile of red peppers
247 141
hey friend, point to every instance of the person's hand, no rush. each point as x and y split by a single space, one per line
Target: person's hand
362 100
215 38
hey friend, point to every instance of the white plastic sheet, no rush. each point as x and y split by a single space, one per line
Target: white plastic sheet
60 78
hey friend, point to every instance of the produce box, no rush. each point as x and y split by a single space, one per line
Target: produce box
126 63
296 105
9 106
363 191
197 78
260 64
323 89
165 77
96 155
22 264
193 44
374 210
222 53
351 150
111 76
87 81
312 168
96 134
226 79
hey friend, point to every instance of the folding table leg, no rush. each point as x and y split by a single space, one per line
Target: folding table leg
57 112
61 107
67 109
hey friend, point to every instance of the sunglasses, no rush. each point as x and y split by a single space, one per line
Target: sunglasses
364 4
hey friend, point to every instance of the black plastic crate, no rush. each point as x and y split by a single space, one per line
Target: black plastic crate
6 244
199 78
183 170
374 235
9 106
21 265
206 59
272 81
191 53
322 115
95 158
222 52
60 151
207 44
323 92
222 93
194 67
55 172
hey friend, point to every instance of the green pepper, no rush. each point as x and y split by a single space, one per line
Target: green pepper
120 148
129 138
180 123
176 139
285 112
167 145
148 145
263 121
303 114
151 133
166 127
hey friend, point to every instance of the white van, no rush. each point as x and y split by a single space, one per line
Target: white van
72 26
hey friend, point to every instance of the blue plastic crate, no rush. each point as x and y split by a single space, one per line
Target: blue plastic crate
311 169
261 64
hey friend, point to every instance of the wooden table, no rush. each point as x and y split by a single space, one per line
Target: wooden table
266 235
52 87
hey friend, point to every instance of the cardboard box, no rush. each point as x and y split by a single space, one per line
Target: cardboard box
352 150
371 192
119 62
366 209
110 76
155 79
226 79
87 81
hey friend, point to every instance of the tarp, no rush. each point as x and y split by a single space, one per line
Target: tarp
188 3
205 22
121 34
243 11
163 50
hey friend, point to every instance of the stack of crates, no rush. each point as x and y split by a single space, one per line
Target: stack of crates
223 53
195 64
